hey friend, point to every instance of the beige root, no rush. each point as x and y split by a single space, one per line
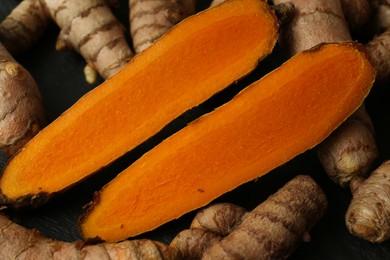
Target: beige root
17 242
193 242
221 218
23 26
22 112
351 149
150 19
209 226
88 27
368 215
277 226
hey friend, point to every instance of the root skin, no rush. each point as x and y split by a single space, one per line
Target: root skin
356 12
22 113
276 227
23 26
18 242
150 19
221 218
368 215
351 149
192 243
90 28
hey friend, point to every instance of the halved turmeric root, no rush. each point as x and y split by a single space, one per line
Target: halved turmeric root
199 57
278 117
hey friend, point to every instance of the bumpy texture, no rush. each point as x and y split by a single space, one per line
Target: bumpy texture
23 26
277 226
22 112
90 28
221 218
150 19
193 242
368 215
209 226
17 242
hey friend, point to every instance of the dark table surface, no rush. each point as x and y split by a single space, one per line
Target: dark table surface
60 79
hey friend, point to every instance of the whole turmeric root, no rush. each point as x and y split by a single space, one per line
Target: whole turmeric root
368 215
276 227
90 28
22 113
221 218
17 242
23 26
193 242
350 150
272 230
209 226
149 20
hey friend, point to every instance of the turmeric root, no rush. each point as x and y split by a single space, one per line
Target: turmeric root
90 28
22 113
217 152
379 49
351 150
353 140
149 20
209 226
192 243
381 16
23 26
220 218
17 242
356 12
277 226
368 215
129 108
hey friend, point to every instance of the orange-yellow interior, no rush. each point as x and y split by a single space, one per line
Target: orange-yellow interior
199 57
278 117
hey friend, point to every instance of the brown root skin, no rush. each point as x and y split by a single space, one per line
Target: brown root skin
351 149
379 50
22 113
209 226
149 20
192 243
356 12
368 215
277 226
23 26
219 218
90 28
381 15
21 243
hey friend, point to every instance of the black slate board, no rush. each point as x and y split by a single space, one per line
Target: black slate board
60 79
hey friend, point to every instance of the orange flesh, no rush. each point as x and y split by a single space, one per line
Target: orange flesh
278 117
198 58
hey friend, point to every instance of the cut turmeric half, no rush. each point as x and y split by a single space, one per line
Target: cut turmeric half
199 57
287 112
